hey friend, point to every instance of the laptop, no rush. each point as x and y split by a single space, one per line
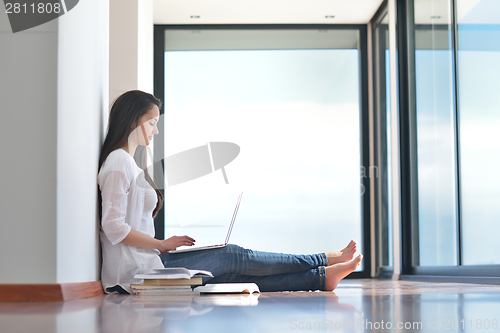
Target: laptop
199 248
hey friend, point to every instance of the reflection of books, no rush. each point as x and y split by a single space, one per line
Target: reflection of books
170 307
228 288
196 302
227 300
172 273
164 302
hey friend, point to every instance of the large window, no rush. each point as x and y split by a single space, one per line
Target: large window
479 106
450 131
291 101
437 216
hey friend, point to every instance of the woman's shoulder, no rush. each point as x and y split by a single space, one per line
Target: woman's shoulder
119 154
119 160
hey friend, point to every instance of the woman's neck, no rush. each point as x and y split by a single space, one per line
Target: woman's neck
130 148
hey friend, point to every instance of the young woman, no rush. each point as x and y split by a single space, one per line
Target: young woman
129 201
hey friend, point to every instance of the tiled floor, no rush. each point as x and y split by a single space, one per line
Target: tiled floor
356 306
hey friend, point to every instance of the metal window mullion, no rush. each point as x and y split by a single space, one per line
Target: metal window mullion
458 192
372 148
414 228
378 98
381 143
365 143
408 136
378 148
159 144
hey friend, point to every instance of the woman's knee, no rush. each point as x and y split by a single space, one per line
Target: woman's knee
233 248
232 252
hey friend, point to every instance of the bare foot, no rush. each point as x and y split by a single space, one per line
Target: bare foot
344 255
337 272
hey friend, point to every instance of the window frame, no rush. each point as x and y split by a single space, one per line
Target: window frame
159 88
409 166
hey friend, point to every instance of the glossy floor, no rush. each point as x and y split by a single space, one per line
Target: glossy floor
356 306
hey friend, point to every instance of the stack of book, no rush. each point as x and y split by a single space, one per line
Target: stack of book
178 281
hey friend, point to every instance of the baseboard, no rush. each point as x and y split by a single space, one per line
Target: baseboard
385 273
49 292
452 279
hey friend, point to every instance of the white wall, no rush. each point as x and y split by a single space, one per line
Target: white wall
54 96
82 110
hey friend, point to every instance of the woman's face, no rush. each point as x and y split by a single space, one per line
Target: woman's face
144 133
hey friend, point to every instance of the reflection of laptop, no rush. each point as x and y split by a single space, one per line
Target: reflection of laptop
194 248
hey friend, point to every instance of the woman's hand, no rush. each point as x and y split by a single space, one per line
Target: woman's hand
138 239
172 243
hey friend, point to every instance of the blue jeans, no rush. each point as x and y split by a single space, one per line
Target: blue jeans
270 271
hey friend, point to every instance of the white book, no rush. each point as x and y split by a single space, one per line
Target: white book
172 273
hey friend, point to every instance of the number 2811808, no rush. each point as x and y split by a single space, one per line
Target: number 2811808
39 8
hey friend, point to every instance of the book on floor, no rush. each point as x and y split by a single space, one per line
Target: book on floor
228 288
186 290
172 273
158 287
173 282
166 292
174 290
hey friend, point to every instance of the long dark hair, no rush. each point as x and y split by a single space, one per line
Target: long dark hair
124 115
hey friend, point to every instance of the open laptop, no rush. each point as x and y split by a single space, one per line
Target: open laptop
194 248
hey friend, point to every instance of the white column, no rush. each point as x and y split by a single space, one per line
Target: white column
130 46
82 104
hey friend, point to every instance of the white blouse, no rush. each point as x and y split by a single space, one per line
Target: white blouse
128 202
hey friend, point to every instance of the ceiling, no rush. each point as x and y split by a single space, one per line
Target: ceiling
264 11
310 11
439 11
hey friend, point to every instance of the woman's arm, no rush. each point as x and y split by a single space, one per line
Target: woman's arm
115 186
138 239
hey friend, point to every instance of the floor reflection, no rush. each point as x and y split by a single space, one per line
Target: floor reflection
357 306
155 313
